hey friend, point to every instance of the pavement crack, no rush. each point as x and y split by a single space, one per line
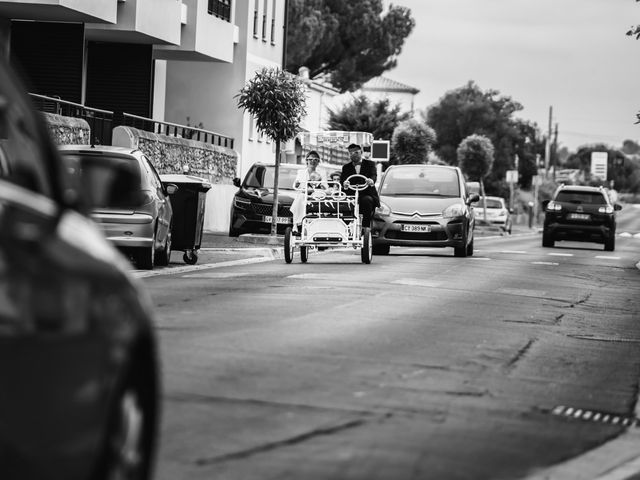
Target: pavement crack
281 443
520 354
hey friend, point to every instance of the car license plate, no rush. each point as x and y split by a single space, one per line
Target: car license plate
269 219
416 228
578 216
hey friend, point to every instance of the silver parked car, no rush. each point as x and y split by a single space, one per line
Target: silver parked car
137 217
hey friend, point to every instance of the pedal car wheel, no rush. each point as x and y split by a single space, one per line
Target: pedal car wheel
367 246
190 257
288 245
304 254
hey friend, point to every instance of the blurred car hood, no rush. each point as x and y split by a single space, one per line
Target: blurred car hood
415 203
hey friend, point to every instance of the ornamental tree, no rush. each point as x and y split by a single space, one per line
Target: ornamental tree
475 158
412 141
277 101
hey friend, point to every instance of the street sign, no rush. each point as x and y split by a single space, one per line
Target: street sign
380 151
512 176
599 165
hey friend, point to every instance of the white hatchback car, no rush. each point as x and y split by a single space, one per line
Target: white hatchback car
497 212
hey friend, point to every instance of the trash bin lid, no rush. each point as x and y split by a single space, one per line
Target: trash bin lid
189 180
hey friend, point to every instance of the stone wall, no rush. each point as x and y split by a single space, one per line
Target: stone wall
67 130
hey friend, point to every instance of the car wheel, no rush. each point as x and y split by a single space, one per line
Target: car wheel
288 245
461 251
366 253
304 254
130 439
381 249
547 240
610 243
233 232
470 249
163 257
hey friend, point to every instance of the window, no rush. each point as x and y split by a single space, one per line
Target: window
255 19
264 21
273 23
220 9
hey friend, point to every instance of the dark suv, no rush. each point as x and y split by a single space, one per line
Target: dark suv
252 206
582 214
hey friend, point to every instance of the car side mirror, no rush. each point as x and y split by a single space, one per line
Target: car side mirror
171 188
473 198
236 182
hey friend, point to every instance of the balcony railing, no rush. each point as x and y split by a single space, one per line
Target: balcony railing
220 8
176 130
100 121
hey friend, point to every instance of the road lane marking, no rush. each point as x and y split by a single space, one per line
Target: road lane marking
479 258
605 257
560 254
624 234
416 282
204 266
513 251
545 263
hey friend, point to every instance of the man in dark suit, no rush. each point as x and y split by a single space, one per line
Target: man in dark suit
368 198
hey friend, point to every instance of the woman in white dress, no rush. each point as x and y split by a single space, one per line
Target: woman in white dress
305 175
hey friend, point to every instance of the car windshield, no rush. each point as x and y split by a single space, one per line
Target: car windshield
593 198
262 177
425 180
117 178
491 203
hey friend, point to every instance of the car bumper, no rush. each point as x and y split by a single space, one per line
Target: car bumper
442 233
580 233
127 231
259 223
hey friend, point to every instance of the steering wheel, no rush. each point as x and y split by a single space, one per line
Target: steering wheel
318 194
358 187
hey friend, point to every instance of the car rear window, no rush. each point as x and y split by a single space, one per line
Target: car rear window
593 198
262 176
491 203
421 181
116 181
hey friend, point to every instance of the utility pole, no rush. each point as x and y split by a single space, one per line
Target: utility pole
547 146
554 152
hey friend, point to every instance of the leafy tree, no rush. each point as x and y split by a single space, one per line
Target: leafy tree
475 156
630 147
363 115
349 42
277 100
469 110
412 141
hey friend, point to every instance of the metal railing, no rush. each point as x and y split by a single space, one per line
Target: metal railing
176 130
220 9
101 122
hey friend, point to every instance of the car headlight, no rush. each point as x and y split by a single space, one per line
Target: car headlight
606 209
241 202
453 211
553 206
254 192
383 209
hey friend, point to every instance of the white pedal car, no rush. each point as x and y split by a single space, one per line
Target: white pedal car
332 220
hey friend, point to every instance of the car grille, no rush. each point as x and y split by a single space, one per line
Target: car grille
267 209
425 236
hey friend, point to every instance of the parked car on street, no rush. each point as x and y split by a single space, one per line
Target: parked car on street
137 217
496 212
252 206
79 376
582 214
424 206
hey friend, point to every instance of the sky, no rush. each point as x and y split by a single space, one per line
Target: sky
572 56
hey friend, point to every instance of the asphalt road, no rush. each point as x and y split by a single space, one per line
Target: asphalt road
420 365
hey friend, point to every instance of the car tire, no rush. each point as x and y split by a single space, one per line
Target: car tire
131 433
462 250
233 232
304 254
366 252
288 245
163 257
610 243
470 248
381 249
547 240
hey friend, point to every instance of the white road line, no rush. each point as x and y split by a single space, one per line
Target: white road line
624 234
636 235
193 268
605 257
545 263
513 251
416 282
479 258
560 254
